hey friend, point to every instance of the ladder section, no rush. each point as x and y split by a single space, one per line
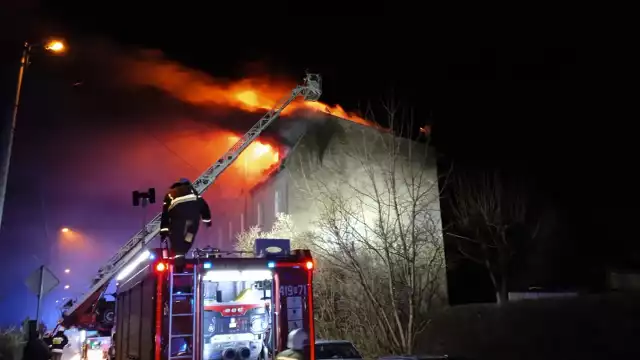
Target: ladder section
182 315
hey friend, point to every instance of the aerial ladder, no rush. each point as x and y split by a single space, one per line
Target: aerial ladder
310 90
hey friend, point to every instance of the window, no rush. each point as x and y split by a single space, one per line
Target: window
219 242
230 230
259 214
242 222
276 202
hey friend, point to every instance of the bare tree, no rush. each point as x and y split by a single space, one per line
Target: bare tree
333 317
490 217
378 228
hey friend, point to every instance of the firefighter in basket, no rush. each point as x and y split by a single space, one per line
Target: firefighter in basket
181 213
297 344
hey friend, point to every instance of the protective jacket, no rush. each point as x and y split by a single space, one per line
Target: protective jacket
59 341
181 213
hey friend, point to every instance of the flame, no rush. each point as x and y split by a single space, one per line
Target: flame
256 160
199 88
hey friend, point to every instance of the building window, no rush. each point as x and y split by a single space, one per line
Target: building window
241 222
259 214
219 242
276 202
230 230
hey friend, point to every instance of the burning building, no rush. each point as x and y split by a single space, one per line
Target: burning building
318 158
323 160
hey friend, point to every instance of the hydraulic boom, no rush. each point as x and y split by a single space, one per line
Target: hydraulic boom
310 90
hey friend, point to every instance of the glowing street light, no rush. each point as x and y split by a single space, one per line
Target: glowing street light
67 271
65 230
66 287
53 46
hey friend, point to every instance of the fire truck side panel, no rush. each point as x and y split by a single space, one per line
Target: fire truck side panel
135 323
122 332
147 320
292 302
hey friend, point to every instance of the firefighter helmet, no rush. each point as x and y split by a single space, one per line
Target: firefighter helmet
184 181
297 339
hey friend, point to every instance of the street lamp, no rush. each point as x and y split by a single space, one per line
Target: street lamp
66 287
54 46
65 230
66 271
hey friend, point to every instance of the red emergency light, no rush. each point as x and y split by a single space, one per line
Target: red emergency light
306 264
161 267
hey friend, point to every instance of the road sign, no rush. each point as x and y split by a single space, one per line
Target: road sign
41 281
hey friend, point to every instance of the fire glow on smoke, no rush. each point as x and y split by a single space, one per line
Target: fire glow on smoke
256 160
198 88
255 94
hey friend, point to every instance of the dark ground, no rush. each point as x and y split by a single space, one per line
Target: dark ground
589 327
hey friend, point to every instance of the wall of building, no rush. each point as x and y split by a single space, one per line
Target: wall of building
330 153
341 157
228 216
347 160
268 199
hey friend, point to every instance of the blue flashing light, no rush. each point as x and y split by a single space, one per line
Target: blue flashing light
152 257
207 265
271 264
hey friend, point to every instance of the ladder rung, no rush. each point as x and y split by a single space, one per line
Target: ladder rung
183 274
181 335
183 294
181 314
181 357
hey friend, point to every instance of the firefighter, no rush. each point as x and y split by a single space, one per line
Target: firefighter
35 348
181 213
297 342
58 343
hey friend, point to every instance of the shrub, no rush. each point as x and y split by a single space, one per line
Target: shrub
11 343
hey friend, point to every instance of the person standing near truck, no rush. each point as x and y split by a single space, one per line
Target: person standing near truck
36 348
182 210
297 342
58 342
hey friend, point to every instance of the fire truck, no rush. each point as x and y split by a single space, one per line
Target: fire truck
223 306
91 311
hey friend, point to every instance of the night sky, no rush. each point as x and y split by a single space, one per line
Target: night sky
542 113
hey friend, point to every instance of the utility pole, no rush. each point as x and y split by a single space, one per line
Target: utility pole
8 146
54 46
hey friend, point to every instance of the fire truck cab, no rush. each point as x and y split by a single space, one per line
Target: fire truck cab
225 306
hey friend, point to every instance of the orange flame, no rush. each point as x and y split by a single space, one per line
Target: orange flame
199 88
257 159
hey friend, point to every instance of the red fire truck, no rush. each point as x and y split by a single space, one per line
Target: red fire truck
224 307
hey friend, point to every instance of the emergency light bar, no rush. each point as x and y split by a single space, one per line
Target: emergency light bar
237 275
146 255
